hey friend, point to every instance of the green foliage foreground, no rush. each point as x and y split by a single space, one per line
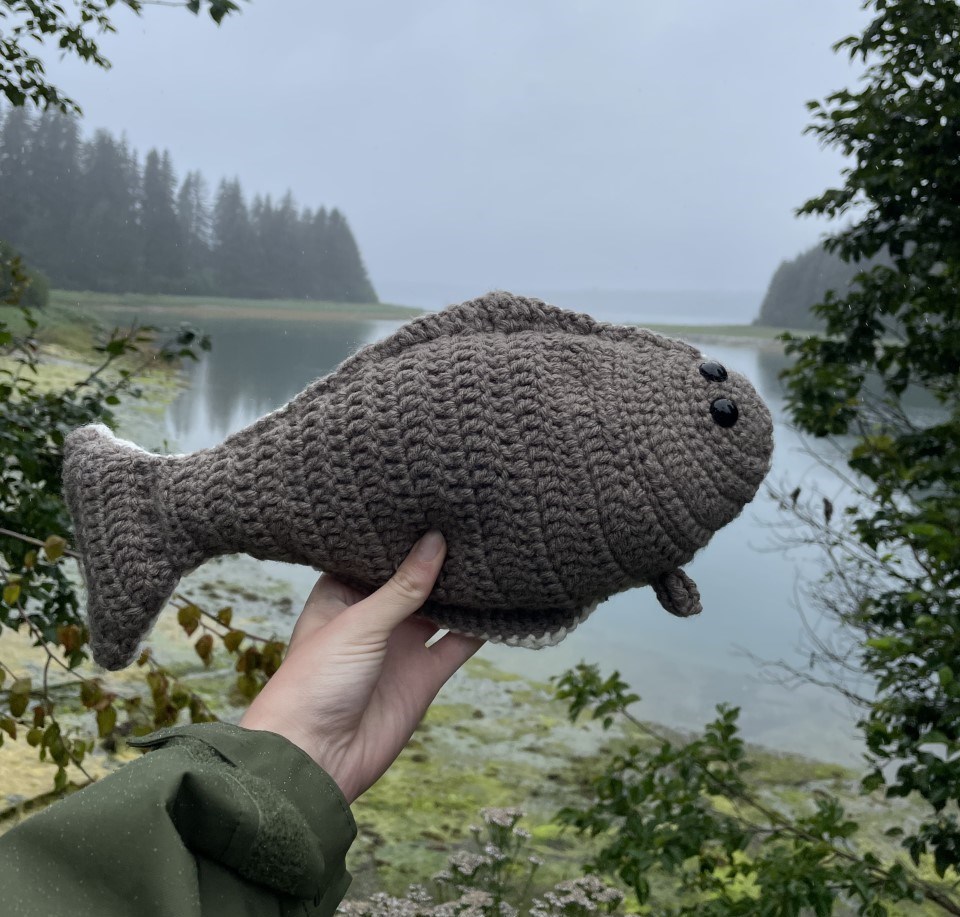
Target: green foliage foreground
18 283
38 595
679 824
897 333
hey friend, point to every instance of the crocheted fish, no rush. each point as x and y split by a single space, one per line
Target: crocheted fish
563 458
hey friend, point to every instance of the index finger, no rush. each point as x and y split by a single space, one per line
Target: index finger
405 592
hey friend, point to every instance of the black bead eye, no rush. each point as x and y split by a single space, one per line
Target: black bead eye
724 412
713 371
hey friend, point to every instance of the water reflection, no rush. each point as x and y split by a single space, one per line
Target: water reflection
682 668
254 367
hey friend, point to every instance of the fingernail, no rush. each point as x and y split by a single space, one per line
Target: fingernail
428 547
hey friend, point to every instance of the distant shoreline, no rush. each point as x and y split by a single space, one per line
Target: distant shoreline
754 335
200 307
223 307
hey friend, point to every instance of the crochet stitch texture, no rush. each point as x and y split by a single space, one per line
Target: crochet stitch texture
564 459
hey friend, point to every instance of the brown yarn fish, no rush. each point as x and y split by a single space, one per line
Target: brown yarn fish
564 459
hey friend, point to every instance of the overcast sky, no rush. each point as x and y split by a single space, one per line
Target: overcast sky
519 144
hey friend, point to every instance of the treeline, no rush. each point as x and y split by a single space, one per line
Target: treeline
798 285
92 216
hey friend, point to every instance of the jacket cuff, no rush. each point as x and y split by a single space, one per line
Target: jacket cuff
264 842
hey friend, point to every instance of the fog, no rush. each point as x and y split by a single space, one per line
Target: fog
545 147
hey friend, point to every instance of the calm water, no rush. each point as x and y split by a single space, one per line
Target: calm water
681 668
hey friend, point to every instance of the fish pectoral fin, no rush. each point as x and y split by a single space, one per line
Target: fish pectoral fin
678 593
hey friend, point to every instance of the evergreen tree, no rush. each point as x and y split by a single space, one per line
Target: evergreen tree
798 285
348 276
162 259
14 174
318 257
234 250
84 214
302 230
193 217
49 233
108 237
261 220
281 250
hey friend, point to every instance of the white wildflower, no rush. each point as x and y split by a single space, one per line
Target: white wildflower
502 818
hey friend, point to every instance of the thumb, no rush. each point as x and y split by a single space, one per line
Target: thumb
406 591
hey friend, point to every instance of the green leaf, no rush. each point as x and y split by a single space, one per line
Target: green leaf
19 696
204 648
935 736
188 617
106 721
233 639
54 547
60 780
90 693
70 637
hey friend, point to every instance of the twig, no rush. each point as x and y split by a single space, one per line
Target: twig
35 541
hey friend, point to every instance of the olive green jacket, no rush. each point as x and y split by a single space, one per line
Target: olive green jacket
215 820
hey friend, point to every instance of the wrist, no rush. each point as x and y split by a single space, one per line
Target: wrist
319 752
255 720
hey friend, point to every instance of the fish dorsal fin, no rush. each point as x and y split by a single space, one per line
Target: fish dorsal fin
506 313
496 312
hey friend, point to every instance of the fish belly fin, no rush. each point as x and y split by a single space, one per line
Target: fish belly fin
678 593
129 565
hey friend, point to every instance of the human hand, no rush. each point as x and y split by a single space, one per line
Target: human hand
358 677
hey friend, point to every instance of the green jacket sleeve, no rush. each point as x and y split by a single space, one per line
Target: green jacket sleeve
216 819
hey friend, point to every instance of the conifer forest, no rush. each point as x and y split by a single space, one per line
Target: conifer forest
92 214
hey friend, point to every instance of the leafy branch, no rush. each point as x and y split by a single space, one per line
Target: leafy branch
658 809
28 23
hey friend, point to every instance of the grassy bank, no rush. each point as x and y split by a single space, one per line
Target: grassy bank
76 320
72 318
290 309
751 333
58 324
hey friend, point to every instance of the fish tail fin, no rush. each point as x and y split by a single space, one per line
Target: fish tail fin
129 566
